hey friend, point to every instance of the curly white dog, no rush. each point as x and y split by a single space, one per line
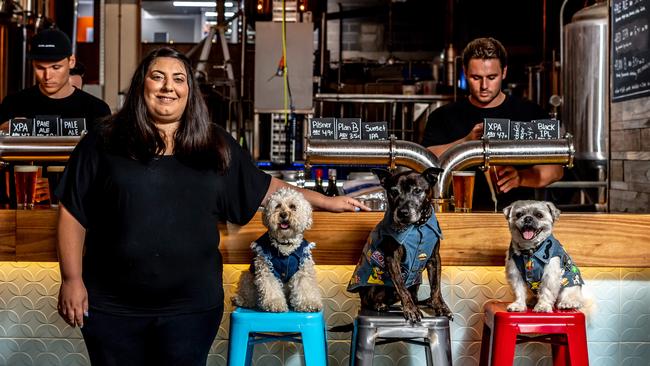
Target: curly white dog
282 274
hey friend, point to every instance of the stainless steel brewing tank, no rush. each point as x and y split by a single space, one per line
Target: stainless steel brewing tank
585 76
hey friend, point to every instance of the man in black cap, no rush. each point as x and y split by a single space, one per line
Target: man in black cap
53 95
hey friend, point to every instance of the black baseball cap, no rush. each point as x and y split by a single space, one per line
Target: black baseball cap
50 45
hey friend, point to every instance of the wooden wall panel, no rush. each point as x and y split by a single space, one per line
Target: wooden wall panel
476 239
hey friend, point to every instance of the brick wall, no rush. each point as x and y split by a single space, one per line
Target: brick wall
630 156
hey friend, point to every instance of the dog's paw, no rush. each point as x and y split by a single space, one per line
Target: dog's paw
516 307
274 305
309 306
439 308
543 307
566 305
412 313
236 301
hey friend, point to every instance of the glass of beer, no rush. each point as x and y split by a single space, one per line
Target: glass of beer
54 174
25 177
463 182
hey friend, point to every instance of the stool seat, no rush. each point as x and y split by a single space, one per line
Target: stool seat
372 328
503 330
250 327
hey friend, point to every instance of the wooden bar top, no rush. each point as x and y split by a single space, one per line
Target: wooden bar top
474 239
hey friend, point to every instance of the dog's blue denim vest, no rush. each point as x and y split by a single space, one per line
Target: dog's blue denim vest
419 243
284 267
531 266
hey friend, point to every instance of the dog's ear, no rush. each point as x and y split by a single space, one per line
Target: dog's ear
506 211
555 212
382 174
431 175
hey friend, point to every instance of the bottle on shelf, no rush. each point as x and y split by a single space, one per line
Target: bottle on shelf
300 178
318 184
332 190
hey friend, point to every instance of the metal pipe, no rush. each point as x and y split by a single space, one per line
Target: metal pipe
390 152
13 148
484 153
503 152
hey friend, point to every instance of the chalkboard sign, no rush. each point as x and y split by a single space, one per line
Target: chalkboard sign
374 130
496 128
348 129
322 128
630 49
504 129
72 126
21 126
46 125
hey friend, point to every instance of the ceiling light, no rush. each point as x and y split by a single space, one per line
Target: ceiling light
210 13
196 4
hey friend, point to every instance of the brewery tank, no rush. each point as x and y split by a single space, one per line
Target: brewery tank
586 83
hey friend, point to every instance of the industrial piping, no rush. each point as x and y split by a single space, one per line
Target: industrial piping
18 148
483 153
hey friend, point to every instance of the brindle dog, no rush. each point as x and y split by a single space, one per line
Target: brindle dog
399 248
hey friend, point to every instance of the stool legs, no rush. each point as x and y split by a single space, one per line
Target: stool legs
577 340
484 359
439 350
314 344
364 346
240 352
503 351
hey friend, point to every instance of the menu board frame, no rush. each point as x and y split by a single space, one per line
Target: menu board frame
630 49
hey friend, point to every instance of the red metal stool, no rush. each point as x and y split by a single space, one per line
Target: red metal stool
503 330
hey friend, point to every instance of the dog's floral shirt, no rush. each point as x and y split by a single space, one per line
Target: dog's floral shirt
419 243
531 266
283 267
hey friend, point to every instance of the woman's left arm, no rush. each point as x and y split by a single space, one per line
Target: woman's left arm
317 200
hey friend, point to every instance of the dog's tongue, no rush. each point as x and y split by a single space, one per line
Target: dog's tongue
528 234
284 225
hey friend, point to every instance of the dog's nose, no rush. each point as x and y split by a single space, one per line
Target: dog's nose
403 212
528 220
284 215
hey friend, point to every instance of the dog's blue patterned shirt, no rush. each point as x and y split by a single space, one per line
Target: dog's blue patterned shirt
532 266
284 267
419 243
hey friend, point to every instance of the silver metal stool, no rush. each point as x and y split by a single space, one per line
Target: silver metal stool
373 328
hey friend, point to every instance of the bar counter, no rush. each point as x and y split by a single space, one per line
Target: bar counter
474 239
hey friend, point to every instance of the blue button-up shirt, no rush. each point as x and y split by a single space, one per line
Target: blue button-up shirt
531 266
419 243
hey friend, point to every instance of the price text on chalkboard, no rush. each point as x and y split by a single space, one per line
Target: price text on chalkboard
21 126
347 129
322 128
504 129
47 126
630 49
72 126
374 130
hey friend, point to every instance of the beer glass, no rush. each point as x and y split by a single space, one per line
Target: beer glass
25 178
463 182
54 174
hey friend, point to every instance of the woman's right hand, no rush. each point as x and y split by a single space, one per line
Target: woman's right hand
73 302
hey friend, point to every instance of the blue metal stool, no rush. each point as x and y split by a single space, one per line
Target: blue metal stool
373 328
249 327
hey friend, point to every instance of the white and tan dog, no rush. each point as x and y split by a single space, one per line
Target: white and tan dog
282 275
537 261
